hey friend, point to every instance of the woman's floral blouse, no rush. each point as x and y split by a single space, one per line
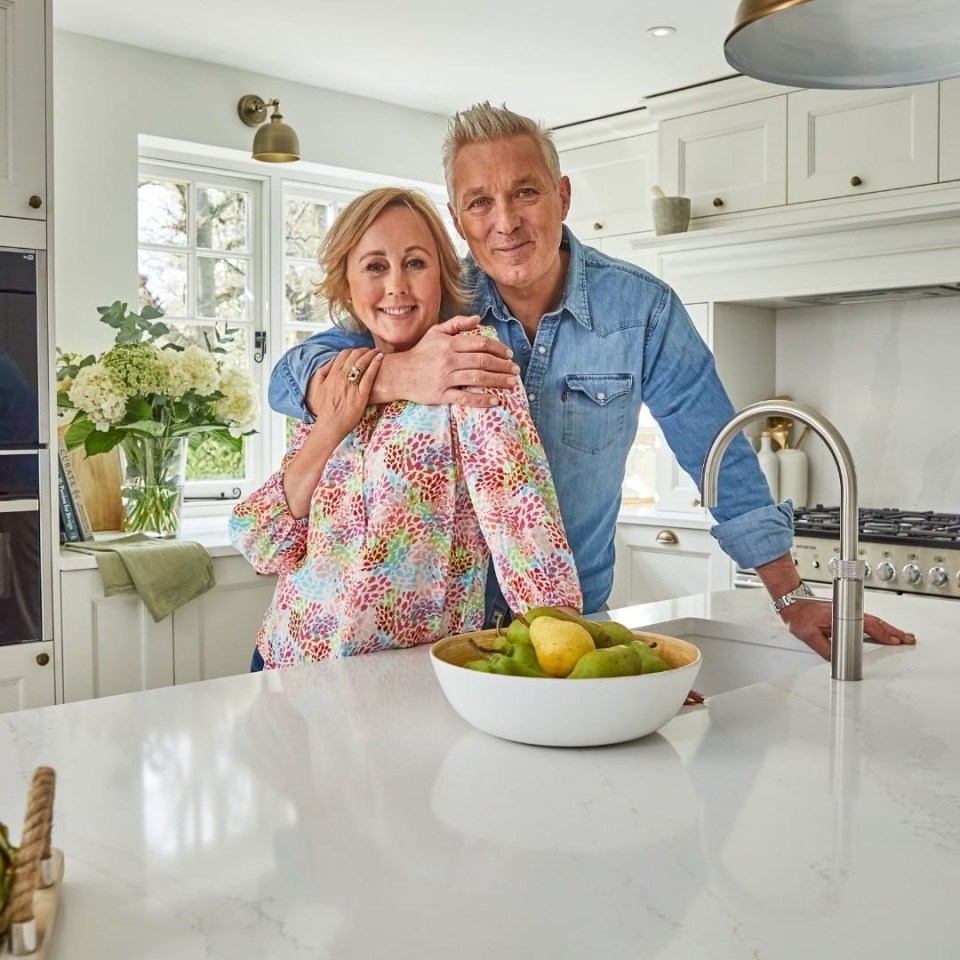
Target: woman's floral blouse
394 550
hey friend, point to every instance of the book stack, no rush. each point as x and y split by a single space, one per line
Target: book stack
74 521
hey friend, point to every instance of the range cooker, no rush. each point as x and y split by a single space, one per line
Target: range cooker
908 551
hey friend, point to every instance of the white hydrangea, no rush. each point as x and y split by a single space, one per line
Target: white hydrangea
191 369
239 406
95 393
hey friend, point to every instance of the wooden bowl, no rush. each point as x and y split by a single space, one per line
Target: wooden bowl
564 713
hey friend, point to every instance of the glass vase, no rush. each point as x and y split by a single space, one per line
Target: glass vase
154 470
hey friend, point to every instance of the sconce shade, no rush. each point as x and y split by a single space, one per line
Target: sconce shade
274 143
846 44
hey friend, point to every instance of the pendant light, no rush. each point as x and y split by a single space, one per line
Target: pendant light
846 44
274 143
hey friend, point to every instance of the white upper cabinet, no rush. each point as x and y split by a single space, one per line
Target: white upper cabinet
950 129
844 143
610 186
23 167
729 159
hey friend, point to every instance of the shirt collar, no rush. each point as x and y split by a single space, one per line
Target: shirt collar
488 300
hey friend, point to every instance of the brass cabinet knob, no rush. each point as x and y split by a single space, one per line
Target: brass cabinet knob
718 201
667 536
43 659
855 181
35 202
598 226
695 502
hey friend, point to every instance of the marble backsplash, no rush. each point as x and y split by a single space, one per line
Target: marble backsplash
886 375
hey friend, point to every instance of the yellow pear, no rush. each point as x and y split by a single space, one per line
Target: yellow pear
559 644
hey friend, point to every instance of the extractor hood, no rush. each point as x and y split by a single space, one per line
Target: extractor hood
927 292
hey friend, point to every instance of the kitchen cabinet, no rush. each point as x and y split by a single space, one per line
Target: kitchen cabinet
662 561
26 676
112 644
23 109
727 160
610 186
846 143
950 129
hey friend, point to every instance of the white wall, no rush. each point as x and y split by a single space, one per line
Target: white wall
106 95
886 376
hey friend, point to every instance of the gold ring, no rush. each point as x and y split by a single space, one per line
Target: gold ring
354 374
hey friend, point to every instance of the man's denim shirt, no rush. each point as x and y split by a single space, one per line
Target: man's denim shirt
620 338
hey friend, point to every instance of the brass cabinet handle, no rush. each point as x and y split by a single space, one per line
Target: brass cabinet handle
855 181
598 226
718 201
695 502
667 536
35 202
43 659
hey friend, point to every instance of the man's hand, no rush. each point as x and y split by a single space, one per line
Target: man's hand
811 622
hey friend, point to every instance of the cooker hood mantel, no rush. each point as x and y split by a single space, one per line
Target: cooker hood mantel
887 295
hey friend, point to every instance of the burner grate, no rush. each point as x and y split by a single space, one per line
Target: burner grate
920 527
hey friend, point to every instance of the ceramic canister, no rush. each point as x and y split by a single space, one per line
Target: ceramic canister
794 469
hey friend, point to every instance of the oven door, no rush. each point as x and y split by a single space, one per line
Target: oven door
24 533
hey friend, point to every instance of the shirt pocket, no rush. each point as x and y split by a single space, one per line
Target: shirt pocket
595 407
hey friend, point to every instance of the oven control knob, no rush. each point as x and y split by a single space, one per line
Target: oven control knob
911 573
938 576
866 570
885 570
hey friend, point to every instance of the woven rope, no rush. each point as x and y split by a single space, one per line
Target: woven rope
37 822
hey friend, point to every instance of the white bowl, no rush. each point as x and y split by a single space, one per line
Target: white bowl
564 713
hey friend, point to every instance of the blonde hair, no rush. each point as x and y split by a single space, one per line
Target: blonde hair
355 219
484 123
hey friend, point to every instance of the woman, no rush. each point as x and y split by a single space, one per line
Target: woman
381 520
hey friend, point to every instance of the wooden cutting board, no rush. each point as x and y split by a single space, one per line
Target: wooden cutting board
99 479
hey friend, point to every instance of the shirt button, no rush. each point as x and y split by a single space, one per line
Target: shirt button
526 348
601 396
541 349
531 397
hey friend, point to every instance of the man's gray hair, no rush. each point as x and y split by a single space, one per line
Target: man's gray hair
484 123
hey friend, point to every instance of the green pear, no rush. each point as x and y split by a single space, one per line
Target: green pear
518 632
618 661
559 644
652 661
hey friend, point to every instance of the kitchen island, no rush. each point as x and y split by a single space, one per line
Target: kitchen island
343 810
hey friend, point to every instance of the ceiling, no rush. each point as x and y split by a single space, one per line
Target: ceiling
560 63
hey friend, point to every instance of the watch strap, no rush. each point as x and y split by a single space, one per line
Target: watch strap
801 592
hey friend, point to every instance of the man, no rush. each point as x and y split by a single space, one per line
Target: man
593 338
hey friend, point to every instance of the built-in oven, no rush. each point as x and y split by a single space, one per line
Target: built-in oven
25 515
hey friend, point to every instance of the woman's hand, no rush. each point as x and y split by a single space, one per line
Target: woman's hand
340 392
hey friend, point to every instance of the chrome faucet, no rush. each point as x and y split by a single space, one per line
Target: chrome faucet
846 648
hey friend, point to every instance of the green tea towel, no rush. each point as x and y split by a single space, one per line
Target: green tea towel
166 573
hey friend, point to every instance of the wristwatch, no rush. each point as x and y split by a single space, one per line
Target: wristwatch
802 592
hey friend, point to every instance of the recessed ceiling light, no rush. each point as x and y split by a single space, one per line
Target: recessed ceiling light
661 31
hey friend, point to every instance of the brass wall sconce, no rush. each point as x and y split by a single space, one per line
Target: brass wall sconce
848 45
276 142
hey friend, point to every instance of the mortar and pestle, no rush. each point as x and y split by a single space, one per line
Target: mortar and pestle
670 214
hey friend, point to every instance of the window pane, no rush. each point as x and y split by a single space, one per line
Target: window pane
294 335
214 459
221 219
301 304
234 347
305 223
221 288
162 212
163 282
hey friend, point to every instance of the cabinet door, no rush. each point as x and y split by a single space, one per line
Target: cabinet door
610 186
23 182
844 142
26 676
110 644
214 635
950 129
727 160
664 562
676 490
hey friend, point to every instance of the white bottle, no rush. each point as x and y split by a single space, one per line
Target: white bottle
794 468
769 464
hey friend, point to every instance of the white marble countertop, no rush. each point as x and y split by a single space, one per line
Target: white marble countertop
343 810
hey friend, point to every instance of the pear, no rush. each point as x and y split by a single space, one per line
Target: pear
619 661
652 661
559 644
604 634
518 632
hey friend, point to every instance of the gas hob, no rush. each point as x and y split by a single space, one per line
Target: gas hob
908 551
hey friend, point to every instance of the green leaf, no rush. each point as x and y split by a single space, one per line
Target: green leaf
146 428
78 431
99 441
139 409
158 329
151 313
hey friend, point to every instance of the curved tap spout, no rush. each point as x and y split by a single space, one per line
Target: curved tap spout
847 641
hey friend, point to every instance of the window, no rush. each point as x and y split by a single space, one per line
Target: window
198 263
